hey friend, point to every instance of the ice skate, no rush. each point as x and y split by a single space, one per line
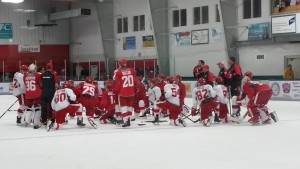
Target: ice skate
127 123
18 120
182 122
80 123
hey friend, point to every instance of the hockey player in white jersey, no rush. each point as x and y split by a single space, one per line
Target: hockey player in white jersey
171 102
222 93
204 97
154 94
19 89
61 105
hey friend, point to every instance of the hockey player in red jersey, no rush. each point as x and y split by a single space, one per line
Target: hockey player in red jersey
97 99
139 99
19 91
125 86
33 101
204 97
259 95
61 105
172 102
222 93
108 104
209 76
86 91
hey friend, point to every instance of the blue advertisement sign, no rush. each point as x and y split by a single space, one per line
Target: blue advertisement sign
6 31
259 31
129 43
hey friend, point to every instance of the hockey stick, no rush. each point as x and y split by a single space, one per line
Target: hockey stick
187 117
229 100
8 109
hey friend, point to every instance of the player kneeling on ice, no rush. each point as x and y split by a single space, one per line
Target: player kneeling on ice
222 93
171 102
108 104
259 95
204 96
61 106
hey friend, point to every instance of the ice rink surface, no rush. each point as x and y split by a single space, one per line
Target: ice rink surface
220 146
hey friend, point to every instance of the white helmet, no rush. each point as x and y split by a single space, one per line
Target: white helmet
32 67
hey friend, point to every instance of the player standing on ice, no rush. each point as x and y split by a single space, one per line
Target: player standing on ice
234 77
172 102
61 105
49 82
154 94
204 97
33 100
222 93
19 91
125 86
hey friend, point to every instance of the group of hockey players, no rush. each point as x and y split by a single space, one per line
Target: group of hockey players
125 98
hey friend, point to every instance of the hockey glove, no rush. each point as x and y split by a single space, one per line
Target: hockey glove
193 112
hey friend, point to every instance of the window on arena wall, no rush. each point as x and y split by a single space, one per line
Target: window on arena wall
201 15
176 18
183 17
125 25
139 23
142 22
251 9
136 23
120 25
217 13
197 16
205 18
179 18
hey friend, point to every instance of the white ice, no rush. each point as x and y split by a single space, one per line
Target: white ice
229 146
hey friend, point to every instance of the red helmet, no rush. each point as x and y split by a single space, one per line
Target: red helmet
170 79
66 84
178 76
122 62
89 79
202 81
109 84
24 68
249 74
71 83
153 81
219 80
161 76
94 82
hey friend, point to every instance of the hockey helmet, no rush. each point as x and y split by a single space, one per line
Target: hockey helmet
94 82
71 83
161 76
89 79
202 81
66 84
32 67
152 81
109 84
178 76
170 79
219 80
122 62
24 68
249 74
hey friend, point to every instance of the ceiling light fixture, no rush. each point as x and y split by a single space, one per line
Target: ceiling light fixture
12 1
